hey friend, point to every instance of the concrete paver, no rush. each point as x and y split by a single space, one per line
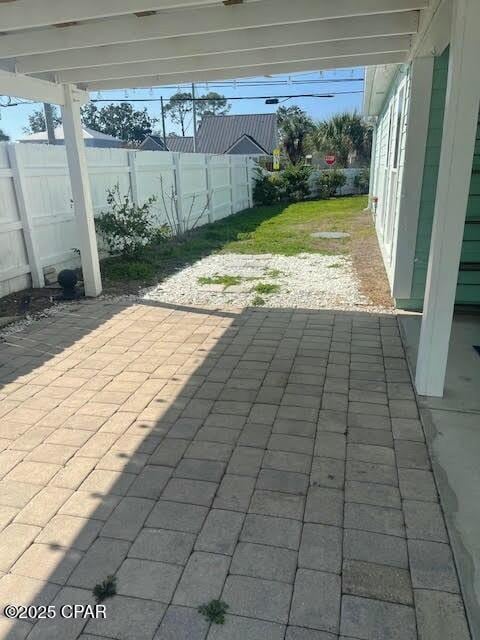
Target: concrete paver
272 458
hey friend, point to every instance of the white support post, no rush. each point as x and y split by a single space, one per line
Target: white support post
33 254
132 166
458 141
208 185
373 162
178 193
82 199
421 77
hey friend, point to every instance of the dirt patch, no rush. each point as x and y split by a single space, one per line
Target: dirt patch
368 263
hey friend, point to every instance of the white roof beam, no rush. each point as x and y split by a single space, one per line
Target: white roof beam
241 40
20 86
199 20
25 14
248 72
258 57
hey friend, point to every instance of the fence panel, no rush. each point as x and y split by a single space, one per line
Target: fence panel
221 187
36 211
14 267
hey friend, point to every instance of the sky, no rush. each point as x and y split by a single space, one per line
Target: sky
347 84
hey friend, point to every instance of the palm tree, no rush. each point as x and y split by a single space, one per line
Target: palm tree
294 128
344 135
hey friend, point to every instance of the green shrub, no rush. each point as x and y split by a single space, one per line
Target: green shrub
126 227
328 183
290 184
160 235
294 181
265 190
362 181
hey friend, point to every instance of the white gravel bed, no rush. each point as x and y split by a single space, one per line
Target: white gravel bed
307 280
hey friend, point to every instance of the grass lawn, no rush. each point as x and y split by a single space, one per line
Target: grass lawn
283 229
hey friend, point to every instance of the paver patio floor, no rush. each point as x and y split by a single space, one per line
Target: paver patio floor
270 458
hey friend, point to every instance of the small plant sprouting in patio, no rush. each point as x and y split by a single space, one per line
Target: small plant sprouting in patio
105 589
126 227
258 301
266 288
274 273
226 280
214 611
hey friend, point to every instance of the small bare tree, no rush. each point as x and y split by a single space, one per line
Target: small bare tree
181 225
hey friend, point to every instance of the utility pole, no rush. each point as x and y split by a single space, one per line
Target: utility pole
194 109
164 135
48 111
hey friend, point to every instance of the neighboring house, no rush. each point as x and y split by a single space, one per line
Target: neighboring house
153 142
91 138
404 170
252 134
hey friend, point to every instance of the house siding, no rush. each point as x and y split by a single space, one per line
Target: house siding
468 289
386 216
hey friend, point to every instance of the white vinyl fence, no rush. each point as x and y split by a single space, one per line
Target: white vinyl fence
349 187
37 222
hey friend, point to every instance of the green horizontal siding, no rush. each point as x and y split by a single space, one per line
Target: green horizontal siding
468 289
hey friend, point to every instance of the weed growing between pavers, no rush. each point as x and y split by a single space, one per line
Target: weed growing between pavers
214 611
258 301
105 589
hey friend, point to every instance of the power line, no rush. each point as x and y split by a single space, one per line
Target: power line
227 98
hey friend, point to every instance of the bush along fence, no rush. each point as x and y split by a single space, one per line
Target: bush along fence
37 221
303 182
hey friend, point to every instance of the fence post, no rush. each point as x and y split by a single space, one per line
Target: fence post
33 255
208 183
132 165
178 192
233 194
249 184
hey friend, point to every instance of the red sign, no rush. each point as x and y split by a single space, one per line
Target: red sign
330 160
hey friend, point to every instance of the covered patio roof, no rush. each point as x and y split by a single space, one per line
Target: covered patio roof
108 44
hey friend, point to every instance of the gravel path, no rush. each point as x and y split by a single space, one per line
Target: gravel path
308 280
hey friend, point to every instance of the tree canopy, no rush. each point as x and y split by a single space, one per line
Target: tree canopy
119 120
212 104
294 125
3 136
180 106
36 121
344 135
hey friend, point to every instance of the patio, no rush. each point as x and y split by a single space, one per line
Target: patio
272 458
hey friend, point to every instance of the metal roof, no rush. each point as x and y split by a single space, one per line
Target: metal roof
180 143
217 134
